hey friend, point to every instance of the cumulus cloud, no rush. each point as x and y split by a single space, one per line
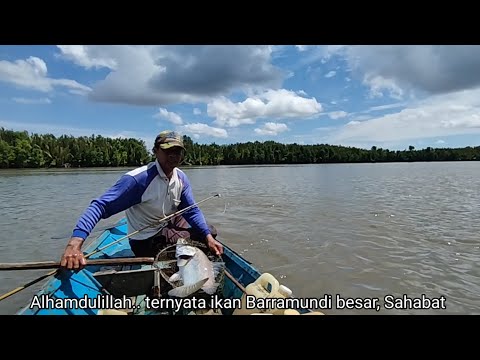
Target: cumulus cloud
269 104
169 116
398 69
271 128
198 129
162 75
90 57
438 116
32 74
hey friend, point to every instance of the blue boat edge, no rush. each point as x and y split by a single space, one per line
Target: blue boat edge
67 287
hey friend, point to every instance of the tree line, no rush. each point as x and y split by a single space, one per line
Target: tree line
19 149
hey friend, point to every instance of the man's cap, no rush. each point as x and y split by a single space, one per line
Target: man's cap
168 139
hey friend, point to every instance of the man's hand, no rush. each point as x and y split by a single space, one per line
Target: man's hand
73 256
214 245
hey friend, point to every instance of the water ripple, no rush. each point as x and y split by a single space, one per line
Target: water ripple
357 230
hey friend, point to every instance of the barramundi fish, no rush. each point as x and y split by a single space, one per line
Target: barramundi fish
196 271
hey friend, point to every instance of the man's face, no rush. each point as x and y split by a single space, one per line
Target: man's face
170 158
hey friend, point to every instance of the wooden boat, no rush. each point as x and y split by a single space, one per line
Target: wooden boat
140 289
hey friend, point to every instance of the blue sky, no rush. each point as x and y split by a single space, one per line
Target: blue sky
363 96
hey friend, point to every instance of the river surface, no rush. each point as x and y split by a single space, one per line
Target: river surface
349 230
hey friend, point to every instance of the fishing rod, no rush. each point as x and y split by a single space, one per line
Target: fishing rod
166 218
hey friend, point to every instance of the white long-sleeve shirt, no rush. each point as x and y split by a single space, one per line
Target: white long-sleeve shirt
146 195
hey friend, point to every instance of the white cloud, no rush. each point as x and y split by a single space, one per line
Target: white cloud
302 48
386 107
209 75
438 116
361 117
271 128
353 122
169 116
337 114
32 74
313 54
88 57
32 101
198 129
379 84
163 75
269 104
330 74
400 69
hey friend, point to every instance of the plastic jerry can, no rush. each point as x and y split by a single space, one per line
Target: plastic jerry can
283 292
266 286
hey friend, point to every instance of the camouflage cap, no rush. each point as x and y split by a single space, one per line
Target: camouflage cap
168 139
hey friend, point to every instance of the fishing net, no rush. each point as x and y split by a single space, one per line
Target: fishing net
165 262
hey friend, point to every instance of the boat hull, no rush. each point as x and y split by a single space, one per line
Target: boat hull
97 290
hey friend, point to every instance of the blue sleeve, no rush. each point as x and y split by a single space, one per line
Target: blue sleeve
124 194
194 216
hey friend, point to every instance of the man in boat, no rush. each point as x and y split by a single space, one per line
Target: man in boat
147 195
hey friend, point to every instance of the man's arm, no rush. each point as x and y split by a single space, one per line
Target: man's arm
124 194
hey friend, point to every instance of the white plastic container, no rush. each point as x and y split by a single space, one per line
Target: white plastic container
266 286
283 292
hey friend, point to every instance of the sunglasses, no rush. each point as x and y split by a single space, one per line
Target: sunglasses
174 152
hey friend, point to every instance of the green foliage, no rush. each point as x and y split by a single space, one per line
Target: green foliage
270 152
18 149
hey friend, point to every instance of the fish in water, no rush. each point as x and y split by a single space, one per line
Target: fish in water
196 271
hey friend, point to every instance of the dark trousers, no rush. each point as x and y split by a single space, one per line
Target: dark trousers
177 228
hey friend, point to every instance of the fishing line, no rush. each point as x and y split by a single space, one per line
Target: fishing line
225 210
